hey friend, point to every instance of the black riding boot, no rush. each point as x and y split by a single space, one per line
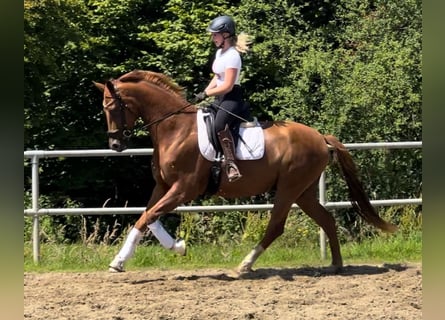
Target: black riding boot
226 141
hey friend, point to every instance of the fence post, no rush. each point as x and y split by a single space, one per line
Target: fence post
322 200
35 208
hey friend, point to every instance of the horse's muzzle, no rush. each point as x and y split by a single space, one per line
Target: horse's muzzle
116 145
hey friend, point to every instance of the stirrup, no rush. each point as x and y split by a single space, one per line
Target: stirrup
233 173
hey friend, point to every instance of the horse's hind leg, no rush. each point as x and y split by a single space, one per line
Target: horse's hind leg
274 229
309 203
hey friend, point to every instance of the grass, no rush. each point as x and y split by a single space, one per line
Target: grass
92 257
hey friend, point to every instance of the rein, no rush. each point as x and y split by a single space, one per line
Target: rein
168 115
122 106
229 112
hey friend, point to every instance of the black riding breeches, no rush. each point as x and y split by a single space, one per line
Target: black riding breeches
233 103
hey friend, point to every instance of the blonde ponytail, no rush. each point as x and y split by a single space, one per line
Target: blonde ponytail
243 41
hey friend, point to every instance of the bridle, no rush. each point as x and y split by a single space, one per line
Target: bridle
123 130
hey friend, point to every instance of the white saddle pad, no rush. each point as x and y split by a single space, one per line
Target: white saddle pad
250 145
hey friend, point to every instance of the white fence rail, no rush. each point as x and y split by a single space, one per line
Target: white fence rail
36 212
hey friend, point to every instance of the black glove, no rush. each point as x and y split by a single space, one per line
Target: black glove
199 97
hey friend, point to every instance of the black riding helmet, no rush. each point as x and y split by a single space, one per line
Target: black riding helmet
222 24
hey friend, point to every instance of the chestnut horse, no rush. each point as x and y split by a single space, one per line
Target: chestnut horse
295 156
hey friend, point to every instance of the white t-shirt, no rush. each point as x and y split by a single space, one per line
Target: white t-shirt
229 59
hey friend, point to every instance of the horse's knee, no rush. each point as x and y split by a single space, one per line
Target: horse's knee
144 220
140 225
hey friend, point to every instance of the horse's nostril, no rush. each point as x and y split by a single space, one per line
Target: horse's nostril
115 145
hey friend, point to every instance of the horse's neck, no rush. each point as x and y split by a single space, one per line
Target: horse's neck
158 110
176 132
155 108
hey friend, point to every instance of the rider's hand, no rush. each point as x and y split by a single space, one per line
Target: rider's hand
200 97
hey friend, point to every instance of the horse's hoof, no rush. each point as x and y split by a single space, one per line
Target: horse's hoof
115 270
180 248
243 270
116 265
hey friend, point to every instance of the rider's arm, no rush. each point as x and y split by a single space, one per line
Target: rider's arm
212 84
226 86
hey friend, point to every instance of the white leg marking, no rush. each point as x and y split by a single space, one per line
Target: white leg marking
127 251
161 234
249 260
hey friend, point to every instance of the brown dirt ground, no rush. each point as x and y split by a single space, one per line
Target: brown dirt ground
359 292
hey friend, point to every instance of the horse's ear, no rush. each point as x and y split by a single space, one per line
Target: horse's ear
99 86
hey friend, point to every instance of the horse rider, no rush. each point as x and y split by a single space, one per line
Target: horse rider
225 86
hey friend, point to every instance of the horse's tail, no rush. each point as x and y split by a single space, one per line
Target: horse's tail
357 194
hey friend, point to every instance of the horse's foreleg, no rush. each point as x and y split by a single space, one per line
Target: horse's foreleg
127 250
134 237
274 229
174 197
136 233
165 239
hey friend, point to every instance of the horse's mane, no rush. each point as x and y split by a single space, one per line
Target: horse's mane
158 79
